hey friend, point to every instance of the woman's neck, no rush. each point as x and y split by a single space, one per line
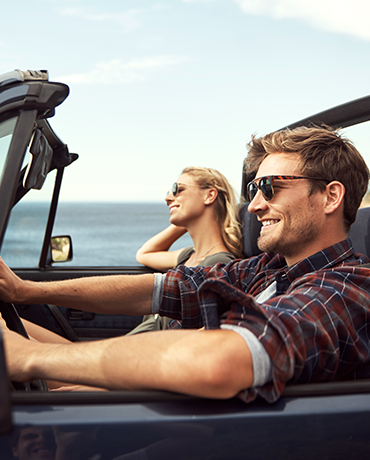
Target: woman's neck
207 240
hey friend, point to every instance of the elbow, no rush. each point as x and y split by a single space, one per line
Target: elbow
226 379
139 257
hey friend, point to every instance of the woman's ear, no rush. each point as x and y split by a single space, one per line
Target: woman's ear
211 196
335 192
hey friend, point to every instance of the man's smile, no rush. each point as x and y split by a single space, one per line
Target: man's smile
268 223
43 452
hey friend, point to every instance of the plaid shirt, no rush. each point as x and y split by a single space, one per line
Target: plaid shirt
316 328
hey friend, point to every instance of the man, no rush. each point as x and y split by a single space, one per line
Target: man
33 443
299 315
40 443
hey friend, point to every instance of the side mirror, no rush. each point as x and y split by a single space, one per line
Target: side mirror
61 248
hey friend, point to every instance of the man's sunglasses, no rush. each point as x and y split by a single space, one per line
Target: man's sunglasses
266 185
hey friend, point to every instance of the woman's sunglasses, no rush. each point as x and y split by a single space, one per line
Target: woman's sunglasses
174 189
266 185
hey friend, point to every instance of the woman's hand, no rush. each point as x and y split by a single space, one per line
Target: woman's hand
77 388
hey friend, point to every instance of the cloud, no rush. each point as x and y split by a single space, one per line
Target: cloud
117 71
350 17
129 19
340 16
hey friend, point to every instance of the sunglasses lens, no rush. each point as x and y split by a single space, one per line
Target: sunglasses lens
172 190
252 190
265 185
266 188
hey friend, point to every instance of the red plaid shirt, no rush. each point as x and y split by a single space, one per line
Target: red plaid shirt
316 328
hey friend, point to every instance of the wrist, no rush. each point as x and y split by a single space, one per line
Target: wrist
179 230
27 292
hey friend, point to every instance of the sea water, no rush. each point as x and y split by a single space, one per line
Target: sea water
103 234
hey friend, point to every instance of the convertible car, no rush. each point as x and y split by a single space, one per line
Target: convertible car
310 421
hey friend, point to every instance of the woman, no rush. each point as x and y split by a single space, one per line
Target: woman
203 203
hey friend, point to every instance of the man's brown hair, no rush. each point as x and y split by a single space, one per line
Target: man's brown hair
324 153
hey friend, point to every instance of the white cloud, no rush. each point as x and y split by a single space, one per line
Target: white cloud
129 19
117 71
340 16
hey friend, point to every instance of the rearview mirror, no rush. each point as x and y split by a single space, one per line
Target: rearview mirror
61 248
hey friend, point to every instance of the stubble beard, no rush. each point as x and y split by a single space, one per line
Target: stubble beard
292 240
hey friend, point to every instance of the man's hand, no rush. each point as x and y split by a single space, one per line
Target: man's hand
18 354
10 284
17 350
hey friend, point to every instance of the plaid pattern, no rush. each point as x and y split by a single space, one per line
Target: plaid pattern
317 327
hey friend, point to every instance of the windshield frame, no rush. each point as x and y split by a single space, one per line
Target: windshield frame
21 136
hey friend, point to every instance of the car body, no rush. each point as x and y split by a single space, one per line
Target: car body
321 421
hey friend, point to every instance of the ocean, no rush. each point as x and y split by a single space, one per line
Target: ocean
102 233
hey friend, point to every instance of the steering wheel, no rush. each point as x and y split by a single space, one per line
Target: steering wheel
14 323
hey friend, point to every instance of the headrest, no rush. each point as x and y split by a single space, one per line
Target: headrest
250 231
360 232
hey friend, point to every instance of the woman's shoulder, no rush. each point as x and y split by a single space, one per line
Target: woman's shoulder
220 257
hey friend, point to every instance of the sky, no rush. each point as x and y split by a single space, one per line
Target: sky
158 85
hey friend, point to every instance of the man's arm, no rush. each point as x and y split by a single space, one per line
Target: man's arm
127 294
212 363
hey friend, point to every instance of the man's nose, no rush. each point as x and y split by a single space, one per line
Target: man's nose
258 203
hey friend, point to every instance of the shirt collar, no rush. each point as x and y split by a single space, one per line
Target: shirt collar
321 260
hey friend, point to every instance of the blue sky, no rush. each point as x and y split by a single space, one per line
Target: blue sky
159 85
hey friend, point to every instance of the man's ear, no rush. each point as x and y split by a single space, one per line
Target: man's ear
335 192
211 196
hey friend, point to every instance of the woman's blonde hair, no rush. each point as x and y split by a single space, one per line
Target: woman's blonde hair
226 209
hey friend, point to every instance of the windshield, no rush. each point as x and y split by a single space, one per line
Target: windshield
6 133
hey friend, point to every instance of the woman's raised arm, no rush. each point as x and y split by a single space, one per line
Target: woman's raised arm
155 252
